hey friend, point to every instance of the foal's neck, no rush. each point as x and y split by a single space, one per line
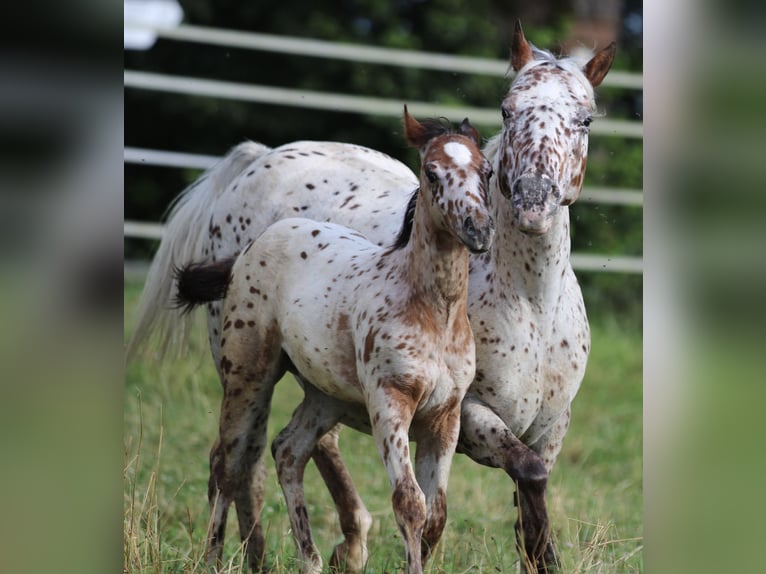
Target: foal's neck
434 263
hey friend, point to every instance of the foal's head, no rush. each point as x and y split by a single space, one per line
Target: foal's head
546 115
453 180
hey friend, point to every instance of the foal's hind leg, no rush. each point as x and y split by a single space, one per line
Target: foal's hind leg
355 521
249 371
487 440
292 449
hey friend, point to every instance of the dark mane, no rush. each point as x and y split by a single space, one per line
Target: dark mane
437 127
406 231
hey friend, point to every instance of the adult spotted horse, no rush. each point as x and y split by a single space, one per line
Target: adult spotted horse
524 303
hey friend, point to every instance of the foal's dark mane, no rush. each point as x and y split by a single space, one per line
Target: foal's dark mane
437 127
406 231
433 127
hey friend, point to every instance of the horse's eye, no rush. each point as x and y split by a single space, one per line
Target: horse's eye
431 176
587 121
505 113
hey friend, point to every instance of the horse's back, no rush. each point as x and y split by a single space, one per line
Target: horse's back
326 181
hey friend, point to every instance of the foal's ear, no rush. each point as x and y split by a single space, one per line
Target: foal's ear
598 66
415 132
470 132
521 52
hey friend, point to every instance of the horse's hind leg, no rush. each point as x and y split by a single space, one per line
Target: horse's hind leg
292 449
355 521
251 365
487 440
219 511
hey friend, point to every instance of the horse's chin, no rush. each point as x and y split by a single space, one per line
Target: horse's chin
534 225
478 250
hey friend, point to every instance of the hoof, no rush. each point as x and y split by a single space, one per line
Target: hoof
348 558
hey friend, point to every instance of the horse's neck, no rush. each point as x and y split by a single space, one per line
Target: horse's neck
531 266
433 263
534 267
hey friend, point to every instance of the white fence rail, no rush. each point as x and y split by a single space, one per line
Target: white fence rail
310 47
340 102
357 104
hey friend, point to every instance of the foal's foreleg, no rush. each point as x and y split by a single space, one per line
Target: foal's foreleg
355 521
433 461
487 440
391 412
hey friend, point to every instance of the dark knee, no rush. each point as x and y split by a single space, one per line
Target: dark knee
409 504
528 469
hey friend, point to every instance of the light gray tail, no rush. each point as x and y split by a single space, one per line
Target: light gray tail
182 242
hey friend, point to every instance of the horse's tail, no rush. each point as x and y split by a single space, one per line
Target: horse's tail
200 283
181 243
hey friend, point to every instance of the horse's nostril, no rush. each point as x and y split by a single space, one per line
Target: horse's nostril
469 226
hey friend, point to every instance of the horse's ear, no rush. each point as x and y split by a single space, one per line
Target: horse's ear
470 132
521 52
415 132
598 66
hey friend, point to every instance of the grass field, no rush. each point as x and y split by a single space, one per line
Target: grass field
595 491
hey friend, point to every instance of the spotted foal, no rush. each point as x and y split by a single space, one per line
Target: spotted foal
379 337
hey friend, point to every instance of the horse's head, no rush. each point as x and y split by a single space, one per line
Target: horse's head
454 179
546 117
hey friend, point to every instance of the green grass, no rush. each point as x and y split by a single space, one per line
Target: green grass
595 491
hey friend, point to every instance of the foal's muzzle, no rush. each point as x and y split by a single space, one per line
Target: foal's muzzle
478 238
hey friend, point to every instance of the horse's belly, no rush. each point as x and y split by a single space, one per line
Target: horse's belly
322 352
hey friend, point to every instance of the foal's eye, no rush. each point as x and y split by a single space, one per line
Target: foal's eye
505 113
430 176
587 121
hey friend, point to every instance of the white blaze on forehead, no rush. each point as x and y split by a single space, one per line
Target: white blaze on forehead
458 152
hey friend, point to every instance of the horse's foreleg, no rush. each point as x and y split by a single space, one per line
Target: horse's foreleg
436 447
487 440
355 521
548 447
391 412
292 449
